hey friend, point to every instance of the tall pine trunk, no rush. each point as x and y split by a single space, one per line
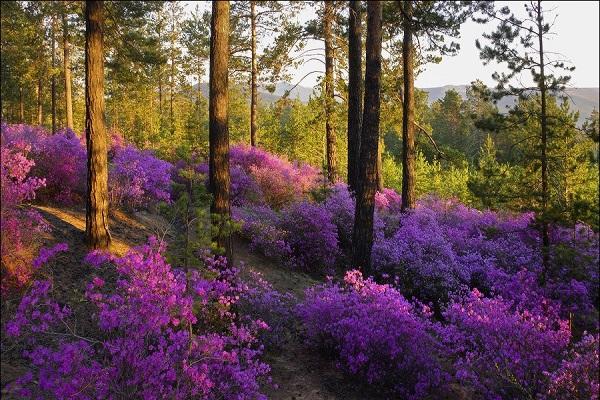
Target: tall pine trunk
329 93
67 73
362 235
96 216
380 166
53 81
219 179
544 137
408 111
355 86
254 83
172 79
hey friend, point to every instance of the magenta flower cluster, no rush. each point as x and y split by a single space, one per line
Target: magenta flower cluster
20 225
136 177
160 334
375 334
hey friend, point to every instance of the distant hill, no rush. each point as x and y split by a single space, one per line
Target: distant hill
583 100
302 93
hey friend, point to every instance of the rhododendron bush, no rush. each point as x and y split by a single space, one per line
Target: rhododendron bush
136 177
376 334
160 334
20 225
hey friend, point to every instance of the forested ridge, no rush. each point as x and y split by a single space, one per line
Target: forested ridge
178 221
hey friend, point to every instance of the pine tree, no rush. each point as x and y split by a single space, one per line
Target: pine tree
362 235
355 85
219 179
96 221
530 33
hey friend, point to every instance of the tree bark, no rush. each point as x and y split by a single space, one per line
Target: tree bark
219 179
38 92
253 84
172 78
355 86
53 81
96 221
380 166
329 92
362 235
544 139
67 73
408 112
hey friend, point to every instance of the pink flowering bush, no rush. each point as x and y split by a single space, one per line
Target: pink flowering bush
577 376
160 334
311 236
61 160
375 334
19 225
502 349
279 181
138 179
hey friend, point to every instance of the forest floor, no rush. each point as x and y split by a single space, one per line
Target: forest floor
298 372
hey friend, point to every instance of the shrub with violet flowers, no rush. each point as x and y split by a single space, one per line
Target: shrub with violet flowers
375 334
153 342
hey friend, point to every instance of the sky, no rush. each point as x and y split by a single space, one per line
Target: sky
576 38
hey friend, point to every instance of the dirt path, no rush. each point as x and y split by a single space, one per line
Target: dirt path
299 372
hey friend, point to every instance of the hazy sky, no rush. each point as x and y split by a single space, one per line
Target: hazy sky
576 38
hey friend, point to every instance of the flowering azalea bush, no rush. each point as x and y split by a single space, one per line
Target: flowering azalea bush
376 334
279 181
311 236
138 179
20 225
160 334
61 160
577 376
503 349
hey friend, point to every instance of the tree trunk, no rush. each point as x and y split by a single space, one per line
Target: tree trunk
96 221
53 81
329 99
219 179
67 72
380 166
544 133
362 235
38 92
253 84
408 112
355 85
21 106
172 79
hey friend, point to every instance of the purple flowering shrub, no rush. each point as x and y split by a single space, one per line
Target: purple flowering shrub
279 182
20 225
500 348
311 236
577 376
261 225
375 334
138 179
160 334
260 300
62 161
300 235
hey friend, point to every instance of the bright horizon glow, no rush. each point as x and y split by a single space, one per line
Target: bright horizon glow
576 37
